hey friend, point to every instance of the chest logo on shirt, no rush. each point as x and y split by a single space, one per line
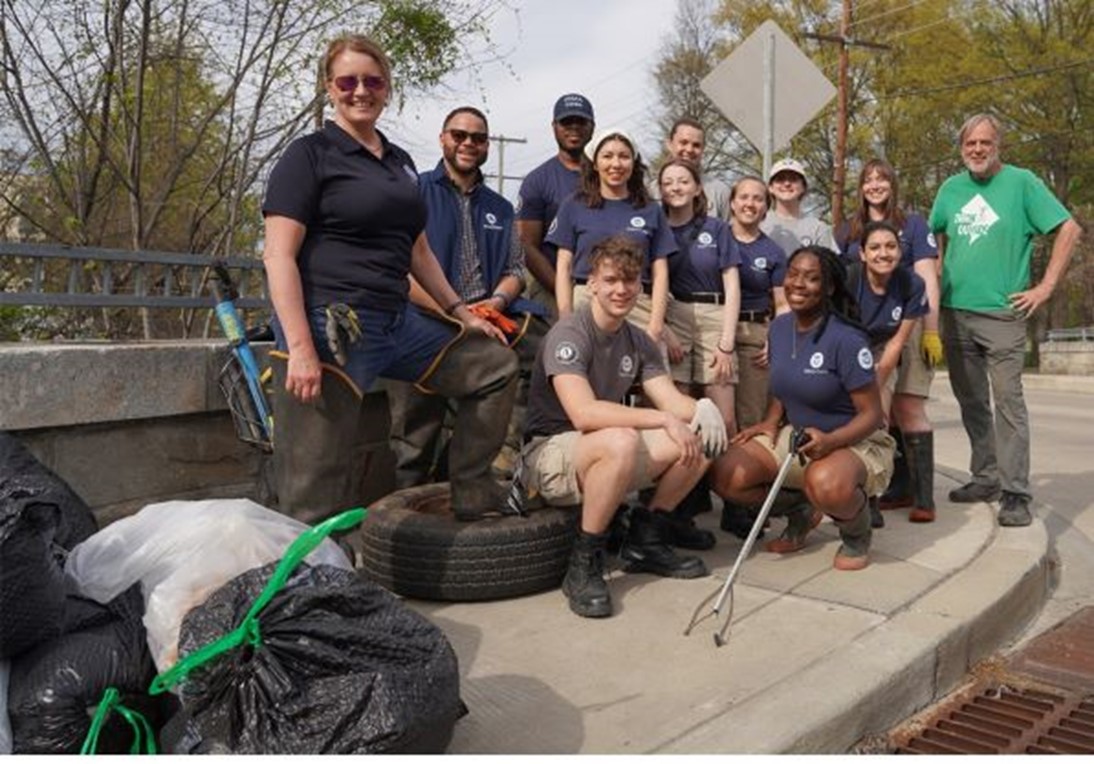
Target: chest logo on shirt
759 264
626 366
705 239
491 223
816 360
897 313
866 359
566 353
638 222
975 219
931 241
806 241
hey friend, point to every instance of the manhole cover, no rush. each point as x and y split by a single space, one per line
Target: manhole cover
1040 700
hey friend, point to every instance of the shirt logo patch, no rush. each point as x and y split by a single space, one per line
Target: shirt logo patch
706 239
897 313
806 241
975 219
566 353
759 264
491 218
553 227
931 241
866 359
817 360
638 222
626 366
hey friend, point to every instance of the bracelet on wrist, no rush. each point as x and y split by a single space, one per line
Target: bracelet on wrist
451 309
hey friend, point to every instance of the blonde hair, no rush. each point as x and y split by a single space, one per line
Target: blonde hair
357 43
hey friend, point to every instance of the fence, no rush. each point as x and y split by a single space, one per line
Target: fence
1080 334
86 277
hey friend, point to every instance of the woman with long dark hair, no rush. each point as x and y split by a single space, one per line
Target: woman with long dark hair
879 200
823 383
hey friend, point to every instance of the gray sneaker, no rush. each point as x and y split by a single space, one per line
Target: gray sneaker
973 492
1014 510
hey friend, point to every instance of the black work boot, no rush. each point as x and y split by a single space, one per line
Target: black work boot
899 492
920 448
684 532
697 501
855 535
737 519
584 585
647 549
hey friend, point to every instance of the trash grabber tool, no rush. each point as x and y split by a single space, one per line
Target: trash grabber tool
249 408
797 439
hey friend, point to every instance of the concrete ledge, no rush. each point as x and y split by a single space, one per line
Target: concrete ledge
897 668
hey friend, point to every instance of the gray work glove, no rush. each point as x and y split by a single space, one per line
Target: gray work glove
710 426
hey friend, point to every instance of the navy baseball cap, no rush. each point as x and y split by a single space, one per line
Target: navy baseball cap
573 105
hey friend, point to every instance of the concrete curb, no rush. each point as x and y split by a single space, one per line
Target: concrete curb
899 667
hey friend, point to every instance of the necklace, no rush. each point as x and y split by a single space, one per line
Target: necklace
794 336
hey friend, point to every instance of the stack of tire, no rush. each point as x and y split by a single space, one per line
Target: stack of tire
62 651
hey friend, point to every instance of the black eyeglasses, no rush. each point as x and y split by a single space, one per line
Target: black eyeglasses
347 83
459 136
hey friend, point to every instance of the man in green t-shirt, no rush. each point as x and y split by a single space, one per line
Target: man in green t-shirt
986 219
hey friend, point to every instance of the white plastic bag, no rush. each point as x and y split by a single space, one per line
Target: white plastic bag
5 724
181 552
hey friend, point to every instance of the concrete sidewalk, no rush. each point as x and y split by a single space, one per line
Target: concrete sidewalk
816 658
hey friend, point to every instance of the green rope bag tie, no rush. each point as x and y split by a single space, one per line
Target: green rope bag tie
144 738
247 633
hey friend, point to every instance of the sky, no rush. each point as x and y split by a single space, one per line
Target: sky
603 49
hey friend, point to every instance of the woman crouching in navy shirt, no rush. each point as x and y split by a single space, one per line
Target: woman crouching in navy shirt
344 227
822 382
890 300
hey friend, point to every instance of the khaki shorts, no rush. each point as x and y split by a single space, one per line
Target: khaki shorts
537 293
751 400
698 326
913 376
875 452
550 473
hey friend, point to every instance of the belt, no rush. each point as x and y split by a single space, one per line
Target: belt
708 298
754 316
646 288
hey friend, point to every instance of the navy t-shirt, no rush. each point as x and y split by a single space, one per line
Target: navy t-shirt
813 381
541 193
362 216
905 298
763 267
916 242
704 248
579 227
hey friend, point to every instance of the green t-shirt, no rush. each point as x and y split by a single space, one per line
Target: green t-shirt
989 227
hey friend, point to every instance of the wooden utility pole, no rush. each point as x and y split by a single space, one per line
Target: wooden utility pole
501 140
845 41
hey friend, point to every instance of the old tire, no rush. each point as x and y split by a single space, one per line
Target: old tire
411 544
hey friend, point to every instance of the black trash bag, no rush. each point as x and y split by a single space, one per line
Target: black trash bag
40 518
55 687
344 667
24 479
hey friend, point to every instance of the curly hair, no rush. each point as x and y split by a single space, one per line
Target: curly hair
622 252
836 294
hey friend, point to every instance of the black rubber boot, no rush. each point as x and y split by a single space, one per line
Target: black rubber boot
899 492
647 548
697 501
855 535
920 447
877 520
584 584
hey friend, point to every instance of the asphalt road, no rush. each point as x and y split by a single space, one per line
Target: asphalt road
1062 480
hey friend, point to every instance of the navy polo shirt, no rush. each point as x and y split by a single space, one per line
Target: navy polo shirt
905 298
705 248
579 227
814 380
916 242
362 216
541 193
763 267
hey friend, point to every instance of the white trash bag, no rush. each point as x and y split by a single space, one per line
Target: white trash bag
181 552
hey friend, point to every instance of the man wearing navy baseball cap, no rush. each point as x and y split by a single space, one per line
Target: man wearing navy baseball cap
546 186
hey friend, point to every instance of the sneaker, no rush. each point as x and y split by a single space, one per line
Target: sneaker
1014 510
974 492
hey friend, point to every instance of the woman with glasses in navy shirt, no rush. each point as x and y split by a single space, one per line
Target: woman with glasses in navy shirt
344 226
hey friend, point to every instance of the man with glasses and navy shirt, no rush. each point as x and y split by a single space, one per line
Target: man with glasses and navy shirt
471 230
546 186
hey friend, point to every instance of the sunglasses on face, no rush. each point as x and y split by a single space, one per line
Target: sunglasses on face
347 83
459 136
573 122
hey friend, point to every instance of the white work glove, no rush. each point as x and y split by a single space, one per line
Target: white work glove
710 426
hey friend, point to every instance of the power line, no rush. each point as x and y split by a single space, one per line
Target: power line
986 81
889 12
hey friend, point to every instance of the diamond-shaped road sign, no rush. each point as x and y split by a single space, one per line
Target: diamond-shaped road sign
736 86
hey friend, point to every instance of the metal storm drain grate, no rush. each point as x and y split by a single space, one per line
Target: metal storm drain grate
1003 719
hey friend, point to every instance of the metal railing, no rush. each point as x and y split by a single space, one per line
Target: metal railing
87 277
1080 334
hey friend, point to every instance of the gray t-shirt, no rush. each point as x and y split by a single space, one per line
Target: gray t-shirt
717 192
611 363
792 233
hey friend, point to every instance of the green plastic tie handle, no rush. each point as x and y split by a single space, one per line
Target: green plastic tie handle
248 632
144 738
